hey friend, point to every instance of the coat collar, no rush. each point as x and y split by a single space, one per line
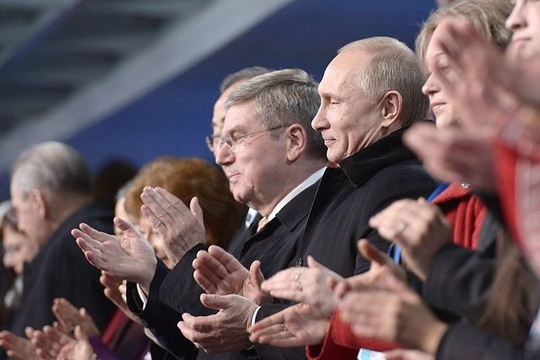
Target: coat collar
361 167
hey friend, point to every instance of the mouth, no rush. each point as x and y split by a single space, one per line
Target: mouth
232 176
438 107
329 141
516 41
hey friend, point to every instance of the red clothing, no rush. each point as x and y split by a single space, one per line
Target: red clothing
518 186
465 212
341 343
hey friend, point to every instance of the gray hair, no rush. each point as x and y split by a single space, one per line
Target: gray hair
243 74
287 96
394 66
51 166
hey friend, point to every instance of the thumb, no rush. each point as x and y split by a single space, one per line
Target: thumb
216 302
196 209
256 276
123 224
312 263
79 334
371 253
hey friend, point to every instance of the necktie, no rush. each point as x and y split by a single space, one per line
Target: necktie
262 223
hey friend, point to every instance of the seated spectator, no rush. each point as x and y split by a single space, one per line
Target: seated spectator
18 250
51 193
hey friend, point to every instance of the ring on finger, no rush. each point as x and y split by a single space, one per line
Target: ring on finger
401 227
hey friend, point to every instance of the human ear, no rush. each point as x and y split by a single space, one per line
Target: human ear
39 203
391 107
296 141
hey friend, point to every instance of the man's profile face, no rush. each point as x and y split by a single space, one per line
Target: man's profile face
347 120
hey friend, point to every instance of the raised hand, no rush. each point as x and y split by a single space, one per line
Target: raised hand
305 323
396 314
297 325
381 266
68 317
420 228
17 347
180 227
78 348
49 342
130 257
224 331
218 272
454 154
312 285
115 290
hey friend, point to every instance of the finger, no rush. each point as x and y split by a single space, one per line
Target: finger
372 253
217 302
255 274
125 226
196 210
265 324
281 280
225 258
90 242
161 207
209 272
312 263
199 324
80 335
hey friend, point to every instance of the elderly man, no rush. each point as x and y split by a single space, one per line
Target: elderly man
51 193
273 159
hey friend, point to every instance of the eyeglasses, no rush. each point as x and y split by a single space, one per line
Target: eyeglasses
231 141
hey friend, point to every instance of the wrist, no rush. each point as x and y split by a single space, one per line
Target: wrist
432 338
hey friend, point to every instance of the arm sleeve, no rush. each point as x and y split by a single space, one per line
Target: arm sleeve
459 281
465 341
159 318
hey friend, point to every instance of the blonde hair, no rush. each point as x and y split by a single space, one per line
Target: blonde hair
487 16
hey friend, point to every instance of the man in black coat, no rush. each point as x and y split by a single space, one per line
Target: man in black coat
51 192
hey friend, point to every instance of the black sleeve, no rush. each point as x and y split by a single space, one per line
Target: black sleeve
180 291
159 318
465 341
459 281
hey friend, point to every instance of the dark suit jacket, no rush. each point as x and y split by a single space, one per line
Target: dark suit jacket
61 270
275 246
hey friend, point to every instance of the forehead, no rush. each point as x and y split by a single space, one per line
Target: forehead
240 116
433 50
344 71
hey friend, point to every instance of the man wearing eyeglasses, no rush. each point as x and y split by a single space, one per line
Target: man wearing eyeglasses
274 160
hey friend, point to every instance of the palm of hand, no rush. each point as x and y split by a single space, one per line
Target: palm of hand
307 323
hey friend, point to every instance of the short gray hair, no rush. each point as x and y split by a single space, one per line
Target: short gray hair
243 74
394 66
51 166
287 96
